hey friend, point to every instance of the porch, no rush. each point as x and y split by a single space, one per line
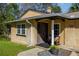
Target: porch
49 31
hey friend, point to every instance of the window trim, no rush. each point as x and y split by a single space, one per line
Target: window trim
20 34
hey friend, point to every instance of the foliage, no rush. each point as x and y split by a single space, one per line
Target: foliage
42 7
2 37
12 10
74 7
7 12
36 6
56 9
54 47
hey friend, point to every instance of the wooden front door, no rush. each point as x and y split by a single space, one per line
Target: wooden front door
43 31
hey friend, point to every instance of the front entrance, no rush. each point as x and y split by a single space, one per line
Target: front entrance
43 32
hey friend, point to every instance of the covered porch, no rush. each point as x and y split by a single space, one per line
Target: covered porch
49 31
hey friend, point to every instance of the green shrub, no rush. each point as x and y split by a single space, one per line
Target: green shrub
2 37
54 47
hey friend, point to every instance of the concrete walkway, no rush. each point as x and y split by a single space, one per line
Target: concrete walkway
37 50
32 52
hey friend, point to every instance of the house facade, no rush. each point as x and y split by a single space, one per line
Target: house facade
34 28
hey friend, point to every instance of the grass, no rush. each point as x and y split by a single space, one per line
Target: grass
8 48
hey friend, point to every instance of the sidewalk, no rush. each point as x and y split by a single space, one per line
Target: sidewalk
31 52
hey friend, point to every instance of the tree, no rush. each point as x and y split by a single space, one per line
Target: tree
7 12
40 7
35 6
56 9
74 7
12 11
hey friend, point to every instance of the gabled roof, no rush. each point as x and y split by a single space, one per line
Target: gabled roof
72 15
31 13
43 12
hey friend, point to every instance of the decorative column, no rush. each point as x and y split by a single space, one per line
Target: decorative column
52 28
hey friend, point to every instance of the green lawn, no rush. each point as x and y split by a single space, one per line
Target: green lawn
8 48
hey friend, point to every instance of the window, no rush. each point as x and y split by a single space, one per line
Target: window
56 30
21 29
18 29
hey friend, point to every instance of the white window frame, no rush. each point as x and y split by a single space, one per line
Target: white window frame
20 29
